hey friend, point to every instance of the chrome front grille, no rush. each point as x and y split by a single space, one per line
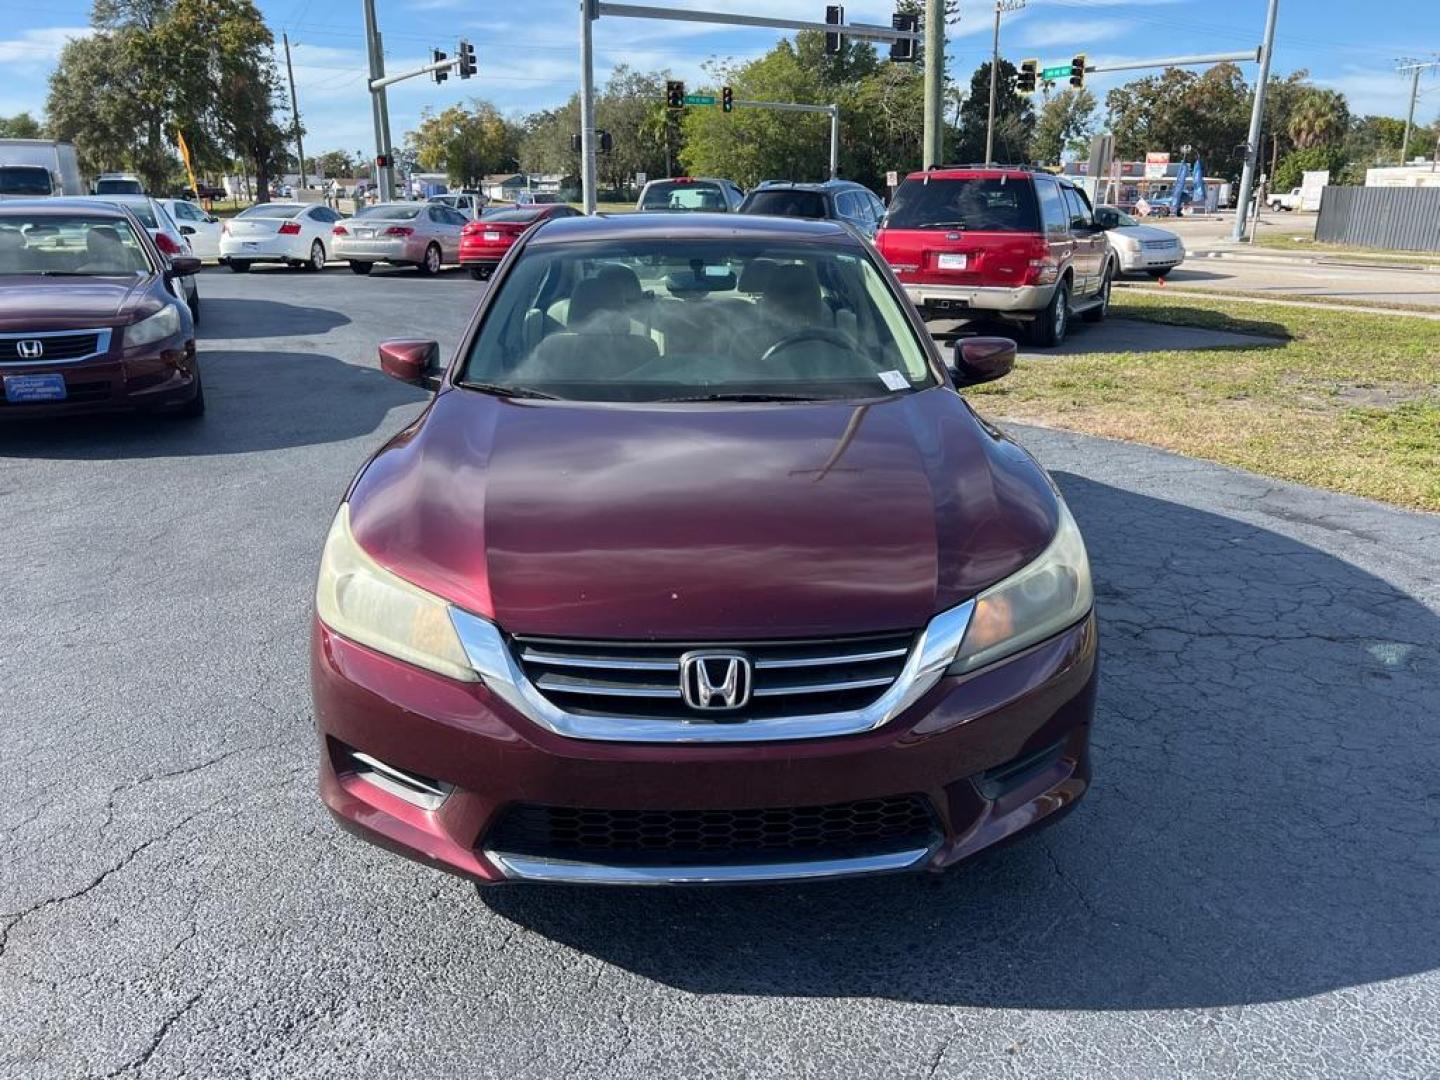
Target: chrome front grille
644 679
1159 245
55 346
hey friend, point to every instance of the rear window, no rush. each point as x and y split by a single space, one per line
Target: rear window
1001 204
271 210
512 215
24 180
392 211
119 187
683 195
802 204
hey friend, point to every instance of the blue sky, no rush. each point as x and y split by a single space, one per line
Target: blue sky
528 56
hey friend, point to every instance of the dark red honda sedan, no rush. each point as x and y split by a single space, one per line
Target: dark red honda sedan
92 316
697 568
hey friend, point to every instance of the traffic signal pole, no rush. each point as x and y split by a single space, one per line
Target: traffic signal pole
832 111
379 107
590 10
933 151
1257 115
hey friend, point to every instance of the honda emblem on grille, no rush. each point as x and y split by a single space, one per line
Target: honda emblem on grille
713 681
30 349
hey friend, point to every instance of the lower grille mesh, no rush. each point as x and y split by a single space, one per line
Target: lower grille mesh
891 823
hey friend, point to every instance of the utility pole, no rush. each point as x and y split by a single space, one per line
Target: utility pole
1257 116
1000 7
934 139
1414 67
384 174
294 107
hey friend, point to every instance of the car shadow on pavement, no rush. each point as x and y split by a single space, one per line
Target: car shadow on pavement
1262 826
237 319
256 400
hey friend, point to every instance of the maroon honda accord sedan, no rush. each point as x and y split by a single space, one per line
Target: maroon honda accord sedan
697 568
91 315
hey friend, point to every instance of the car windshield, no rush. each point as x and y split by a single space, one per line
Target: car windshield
783 203
271 210
694 320
683 195
998 204
391 211
69 245
24 180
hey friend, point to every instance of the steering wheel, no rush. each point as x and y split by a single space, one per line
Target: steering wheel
811 333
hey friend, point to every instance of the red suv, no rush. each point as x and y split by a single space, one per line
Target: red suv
1004 242
698 568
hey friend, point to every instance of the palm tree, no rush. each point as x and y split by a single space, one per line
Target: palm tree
1320 118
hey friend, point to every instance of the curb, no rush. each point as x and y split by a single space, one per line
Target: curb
1313 260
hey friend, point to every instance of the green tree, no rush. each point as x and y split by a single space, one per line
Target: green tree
1014 117
93 102
1320 118
335 163
1066 122
1293 165
1178 108
465 142
20 126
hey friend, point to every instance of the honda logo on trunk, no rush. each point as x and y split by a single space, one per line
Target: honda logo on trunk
30 349
711 681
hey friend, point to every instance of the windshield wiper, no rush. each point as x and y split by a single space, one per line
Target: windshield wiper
724 396
943 225
509 391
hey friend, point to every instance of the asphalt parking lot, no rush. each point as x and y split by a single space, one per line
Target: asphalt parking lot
1250 889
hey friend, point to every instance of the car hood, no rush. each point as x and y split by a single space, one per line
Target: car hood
703 522
61 303
1144 232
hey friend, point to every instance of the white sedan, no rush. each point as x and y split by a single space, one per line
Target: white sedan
290 233
202 230
1141 249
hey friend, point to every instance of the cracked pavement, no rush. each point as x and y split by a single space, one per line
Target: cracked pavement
1249 890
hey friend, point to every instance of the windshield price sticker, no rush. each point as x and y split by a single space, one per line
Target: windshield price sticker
893 380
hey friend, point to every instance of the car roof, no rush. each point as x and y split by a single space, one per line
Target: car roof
101 200
983 172
57 206
689 180
694 225
809 185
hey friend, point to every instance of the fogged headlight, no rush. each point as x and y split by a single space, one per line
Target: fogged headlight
1036 602
361 600
163 324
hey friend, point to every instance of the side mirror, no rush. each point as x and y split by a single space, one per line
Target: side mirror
184 265
212 220
412 361
982 359
187 230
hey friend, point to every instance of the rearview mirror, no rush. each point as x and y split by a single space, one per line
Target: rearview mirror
184 265
412 361
982 359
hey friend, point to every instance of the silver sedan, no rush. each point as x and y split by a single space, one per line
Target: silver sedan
423 235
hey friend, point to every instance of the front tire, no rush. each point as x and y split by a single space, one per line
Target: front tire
239 266
317 257
430 264
1050 325
361 268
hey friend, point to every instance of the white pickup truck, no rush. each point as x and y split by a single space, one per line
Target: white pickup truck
1289 200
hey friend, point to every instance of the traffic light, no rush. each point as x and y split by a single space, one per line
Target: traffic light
439 74
727 99
1077 71
1026 76
674 94
606 143
382 161
834 16
466 52
575 143
903 50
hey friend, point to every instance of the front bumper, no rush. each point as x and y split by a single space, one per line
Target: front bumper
1020 300
158 376
992 754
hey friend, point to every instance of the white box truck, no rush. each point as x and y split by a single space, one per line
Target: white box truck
38 167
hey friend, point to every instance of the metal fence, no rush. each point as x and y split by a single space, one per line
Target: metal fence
1404 219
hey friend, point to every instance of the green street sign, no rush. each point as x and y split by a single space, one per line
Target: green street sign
709 99
1062 72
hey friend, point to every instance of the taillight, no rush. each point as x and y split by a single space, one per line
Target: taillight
339 230
290 228
1043 267
471 228
399 230
168 246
